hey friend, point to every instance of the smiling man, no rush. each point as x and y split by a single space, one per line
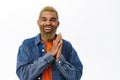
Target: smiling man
47 56
48 23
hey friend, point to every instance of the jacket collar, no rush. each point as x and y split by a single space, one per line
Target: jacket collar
37 39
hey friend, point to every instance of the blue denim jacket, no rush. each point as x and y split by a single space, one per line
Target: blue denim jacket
32 60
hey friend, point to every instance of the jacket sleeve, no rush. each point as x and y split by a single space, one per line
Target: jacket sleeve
72 69
28 69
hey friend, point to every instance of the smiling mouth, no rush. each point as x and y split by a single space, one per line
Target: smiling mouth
48 29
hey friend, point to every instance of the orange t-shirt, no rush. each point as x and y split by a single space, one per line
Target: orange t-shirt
47 74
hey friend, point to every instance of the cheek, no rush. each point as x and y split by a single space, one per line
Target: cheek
41 28
40 24
55 24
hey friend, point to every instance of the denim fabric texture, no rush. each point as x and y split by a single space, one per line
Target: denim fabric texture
32 59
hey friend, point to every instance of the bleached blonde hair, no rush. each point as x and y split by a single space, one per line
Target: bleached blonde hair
49 8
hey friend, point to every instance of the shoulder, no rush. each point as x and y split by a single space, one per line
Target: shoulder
29 40
66 43
33 40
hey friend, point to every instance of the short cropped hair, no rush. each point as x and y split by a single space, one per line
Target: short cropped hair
49 8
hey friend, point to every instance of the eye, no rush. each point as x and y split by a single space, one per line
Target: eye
43 19
53 19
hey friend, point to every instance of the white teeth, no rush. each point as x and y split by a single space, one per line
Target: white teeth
48 28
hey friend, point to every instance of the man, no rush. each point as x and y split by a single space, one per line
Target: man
47 56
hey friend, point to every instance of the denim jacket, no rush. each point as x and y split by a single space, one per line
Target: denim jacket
32 60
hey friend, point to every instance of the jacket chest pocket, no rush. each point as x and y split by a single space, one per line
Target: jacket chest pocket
38 51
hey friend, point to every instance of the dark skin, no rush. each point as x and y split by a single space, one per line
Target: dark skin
48 24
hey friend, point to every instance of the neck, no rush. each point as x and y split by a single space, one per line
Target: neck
47 38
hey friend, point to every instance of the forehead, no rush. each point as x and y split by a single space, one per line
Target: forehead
48 14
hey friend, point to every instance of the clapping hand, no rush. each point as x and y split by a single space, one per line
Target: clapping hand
57 46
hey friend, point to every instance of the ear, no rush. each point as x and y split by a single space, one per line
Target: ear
38 22
58 23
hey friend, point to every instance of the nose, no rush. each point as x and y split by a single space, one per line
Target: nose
48 22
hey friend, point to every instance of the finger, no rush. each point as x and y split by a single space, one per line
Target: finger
59 44
58 38
59 50
59 53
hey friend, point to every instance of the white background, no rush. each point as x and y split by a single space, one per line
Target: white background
92 26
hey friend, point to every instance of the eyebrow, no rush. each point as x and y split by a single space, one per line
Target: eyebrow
42 17
51 17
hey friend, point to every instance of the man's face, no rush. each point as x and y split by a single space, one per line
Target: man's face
48 23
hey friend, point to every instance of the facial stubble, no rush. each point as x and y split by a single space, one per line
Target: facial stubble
48 36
